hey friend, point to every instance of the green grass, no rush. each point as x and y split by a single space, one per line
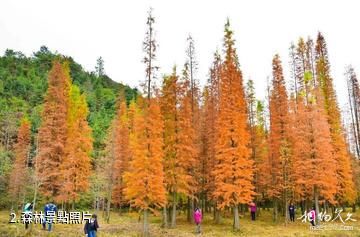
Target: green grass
128 225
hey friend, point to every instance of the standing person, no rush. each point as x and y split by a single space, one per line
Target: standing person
292 212
91 226
198 219
312 216
252 208
27 212
44 218
50 213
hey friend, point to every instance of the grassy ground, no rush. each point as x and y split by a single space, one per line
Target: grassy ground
127 225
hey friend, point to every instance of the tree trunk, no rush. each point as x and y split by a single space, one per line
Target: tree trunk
286 208
188 210
317 209
146 224
217 215
108 206
165 218
302 206
103 207
173 216
35 196
236 225
326 206
192 210
275 210
94 204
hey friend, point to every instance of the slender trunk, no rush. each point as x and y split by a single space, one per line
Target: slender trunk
192 210
236 225
286 208
173 216
165 218
316 197
214 213
94 204
146 224
103 207
302 206
108 206
217 215
356 115
35 196
97 204
325 206
275 210
353 112
188 210
34 200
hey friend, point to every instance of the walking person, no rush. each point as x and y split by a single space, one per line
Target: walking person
292 212
50 213
198 219
91 226
27 212
252 208
312 216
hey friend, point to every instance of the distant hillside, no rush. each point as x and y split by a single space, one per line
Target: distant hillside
23 84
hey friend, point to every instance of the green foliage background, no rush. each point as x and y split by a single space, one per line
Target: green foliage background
23 84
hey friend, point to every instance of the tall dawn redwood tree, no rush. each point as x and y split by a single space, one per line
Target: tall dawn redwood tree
75 167
346 188
187 145
169 111
122 153
53 132
209 115
313 152
145 187
20 173
279 152
145 178
233 169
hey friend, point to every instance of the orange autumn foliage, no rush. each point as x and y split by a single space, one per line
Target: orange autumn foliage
186 147
262 175
208 137
53 132
122 153
19 177
169 108
233 170
346 188
75 166
279 141
314 166
145 178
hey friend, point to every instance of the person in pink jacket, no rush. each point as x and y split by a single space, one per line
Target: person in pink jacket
312 216
198 219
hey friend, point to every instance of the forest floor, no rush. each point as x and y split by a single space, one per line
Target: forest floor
128 225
